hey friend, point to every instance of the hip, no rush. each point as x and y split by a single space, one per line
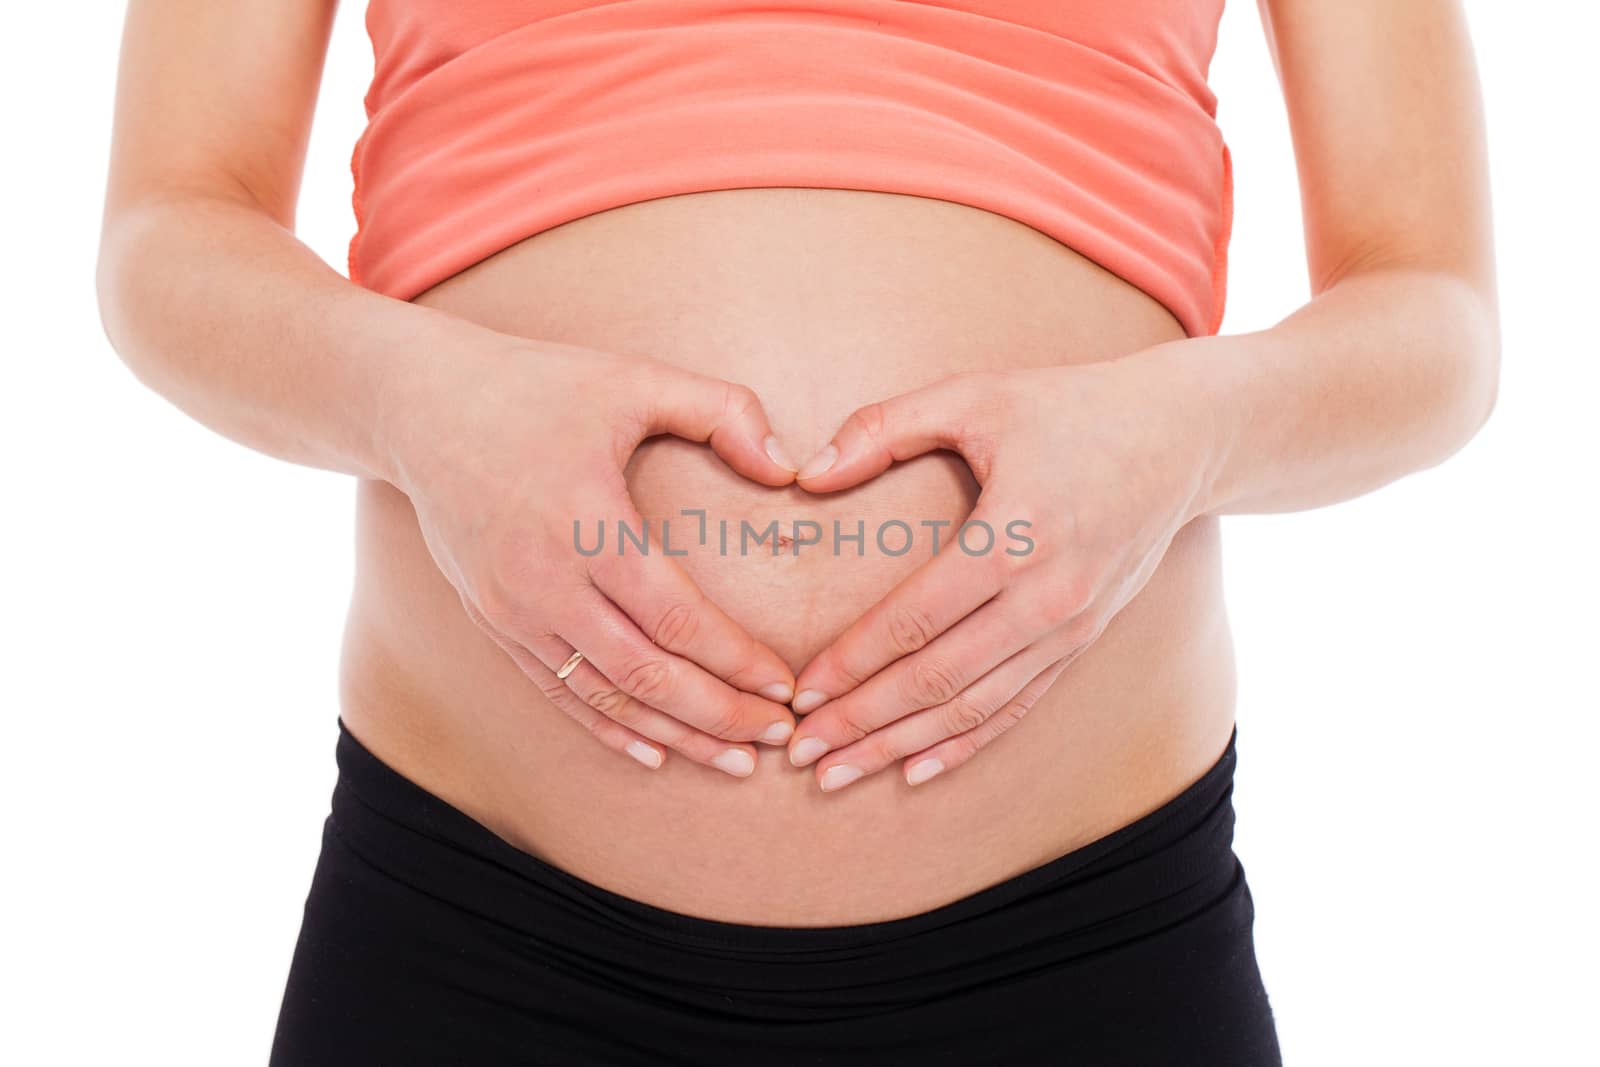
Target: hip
427 938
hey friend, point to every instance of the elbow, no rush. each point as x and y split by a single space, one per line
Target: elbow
111 285
1488 393
1481 364
124 295
1471 355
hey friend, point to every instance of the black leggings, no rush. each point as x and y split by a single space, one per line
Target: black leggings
429 940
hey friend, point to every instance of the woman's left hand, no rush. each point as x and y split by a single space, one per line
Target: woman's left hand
1103 462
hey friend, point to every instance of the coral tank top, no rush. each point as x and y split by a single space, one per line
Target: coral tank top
1089 120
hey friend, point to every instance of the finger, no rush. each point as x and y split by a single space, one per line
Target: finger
616 647
596 692
727 416
609 732
939 674
939 738
947 755
616 719
926 603
880 434
673 613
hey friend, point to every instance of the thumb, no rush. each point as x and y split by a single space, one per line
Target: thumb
878 435
727 416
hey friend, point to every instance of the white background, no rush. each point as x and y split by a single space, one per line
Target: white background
1417 705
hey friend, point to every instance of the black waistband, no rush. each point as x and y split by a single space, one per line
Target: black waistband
1141 878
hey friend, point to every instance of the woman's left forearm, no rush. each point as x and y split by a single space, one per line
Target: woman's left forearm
1387 372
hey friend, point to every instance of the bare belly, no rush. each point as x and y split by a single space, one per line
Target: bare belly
820 300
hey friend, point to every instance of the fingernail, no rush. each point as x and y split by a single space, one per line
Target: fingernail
644 754
840 776
922 770
819 462
808 700
807 750
777 692
778 733
776 453
736 761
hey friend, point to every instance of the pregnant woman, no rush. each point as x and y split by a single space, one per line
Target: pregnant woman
790 440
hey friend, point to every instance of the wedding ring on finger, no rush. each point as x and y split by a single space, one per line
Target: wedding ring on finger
570 666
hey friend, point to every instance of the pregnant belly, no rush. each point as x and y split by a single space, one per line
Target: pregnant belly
821 300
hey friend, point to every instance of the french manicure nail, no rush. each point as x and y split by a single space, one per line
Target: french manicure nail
922 770
809 700
807 750
736 761
777 692
840 776
819 462
644 754
778 733
776 453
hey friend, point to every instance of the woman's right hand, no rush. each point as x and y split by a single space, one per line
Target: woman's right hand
501 450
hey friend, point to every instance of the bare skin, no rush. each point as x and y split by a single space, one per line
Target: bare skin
974 333
1145 715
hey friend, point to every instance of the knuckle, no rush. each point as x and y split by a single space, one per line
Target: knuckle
612 703
932 681
839 667
1000 722
1081 630
1054 613
849 731
647 679
554 691
839 724
962 716
678 626
910 628
1065 598
738 399
727 721
964 747
1010 715
871 420
749 660
878 751
1076 591
611 567
1071 657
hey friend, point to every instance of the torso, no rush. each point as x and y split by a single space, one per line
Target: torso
821 300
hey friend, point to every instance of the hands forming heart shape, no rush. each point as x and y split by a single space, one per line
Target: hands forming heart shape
1103 463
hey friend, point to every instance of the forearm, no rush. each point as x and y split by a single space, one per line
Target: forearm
220 309
1388 372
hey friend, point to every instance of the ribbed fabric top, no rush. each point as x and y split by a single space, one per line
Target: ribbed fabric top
1088 120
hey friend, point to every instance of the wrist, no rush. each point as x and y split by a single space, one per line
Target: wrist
437 372
1203 407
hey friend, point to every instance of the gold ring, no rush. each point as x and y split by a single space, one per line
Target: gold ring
570 666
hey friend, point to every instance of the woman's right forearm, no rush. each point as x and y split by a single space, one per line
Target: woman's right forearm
219 308
498 442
